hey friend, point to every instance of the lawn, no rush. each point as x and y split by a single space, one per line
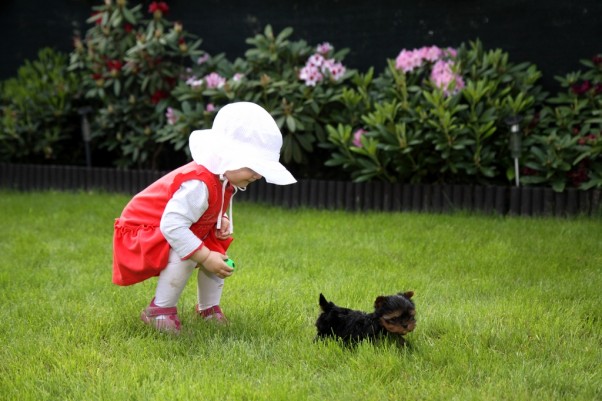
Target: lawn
508 308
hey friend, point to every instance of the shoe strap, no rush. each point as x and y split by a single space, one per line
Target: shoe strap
214 310
158 311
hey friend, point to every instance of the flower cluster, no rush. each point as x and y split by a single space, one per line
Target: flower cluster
114 66
211 81
443 73
444 77
409 60
318 66
158 9
583 87
214 80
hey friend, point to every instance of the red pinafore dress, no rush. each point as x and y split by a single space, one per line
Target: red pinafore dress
140 250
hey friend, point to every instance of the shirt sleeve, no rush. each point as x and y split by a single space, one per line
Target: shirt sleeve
185 208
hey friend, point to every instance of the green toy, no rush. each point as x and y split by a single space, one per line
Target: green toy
230 263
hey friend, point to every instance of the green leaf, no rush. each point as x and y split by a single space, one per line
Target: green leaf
305 141
290 123
115 18
285 33
280 122
558 185
129 16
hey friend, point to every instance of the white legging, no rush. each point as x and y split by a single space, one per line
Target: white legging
174 277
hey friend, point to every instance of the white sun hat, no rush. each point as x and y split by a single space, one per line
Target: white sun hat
243 134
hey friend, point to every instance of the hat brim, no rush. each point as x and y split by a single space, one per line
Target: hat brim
273 172
208 150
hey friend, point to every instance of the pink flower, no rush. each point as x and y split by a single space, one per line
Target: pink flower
214 80
444 77
324 48
451 52
357 137
317 66
203 59
315 60
194 82
311 75
238 77
336 70
408 60
210 108
171 116
431 54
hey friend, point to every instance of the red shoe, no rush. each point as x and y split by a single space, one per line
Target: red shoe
170 324
214 312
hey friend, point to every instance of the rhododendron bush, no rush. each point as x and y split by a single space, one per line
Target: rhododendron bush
38 115
299 84
130 59
437 115
564 140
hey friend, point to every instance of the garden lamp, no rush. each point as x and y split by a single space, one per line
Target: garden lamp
513 123
84 111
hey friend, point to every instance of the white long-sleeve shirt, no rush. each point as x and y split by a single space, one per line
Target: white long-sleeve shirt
185 208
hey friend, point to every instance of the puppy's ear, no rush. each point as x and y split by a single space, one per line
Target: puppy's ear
408 294
324 304
379 302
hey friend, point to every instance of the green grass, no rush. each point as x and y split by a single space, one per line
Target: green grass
508 308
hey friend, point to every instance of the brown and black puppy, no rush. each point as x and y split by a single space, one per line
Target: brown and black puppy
393 314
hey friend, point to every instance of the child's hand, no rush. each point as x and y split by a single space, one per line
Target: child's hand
216 264
224 231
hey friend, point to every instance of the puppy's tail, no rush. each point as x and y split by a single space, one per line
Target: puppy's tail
324 304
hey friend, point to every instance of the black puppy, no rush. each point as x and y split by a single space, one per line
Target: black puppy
392 314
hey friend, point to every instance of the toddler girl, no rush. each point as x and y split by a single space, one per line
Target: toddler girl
181 221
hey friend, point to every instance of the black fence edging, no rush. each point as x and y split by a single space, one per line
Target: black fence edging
330 195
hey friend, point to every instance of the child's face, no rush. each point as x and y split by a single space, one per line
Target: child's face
242 177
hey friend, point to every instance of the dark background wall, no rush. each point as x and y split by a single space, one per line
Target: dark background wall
553 34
